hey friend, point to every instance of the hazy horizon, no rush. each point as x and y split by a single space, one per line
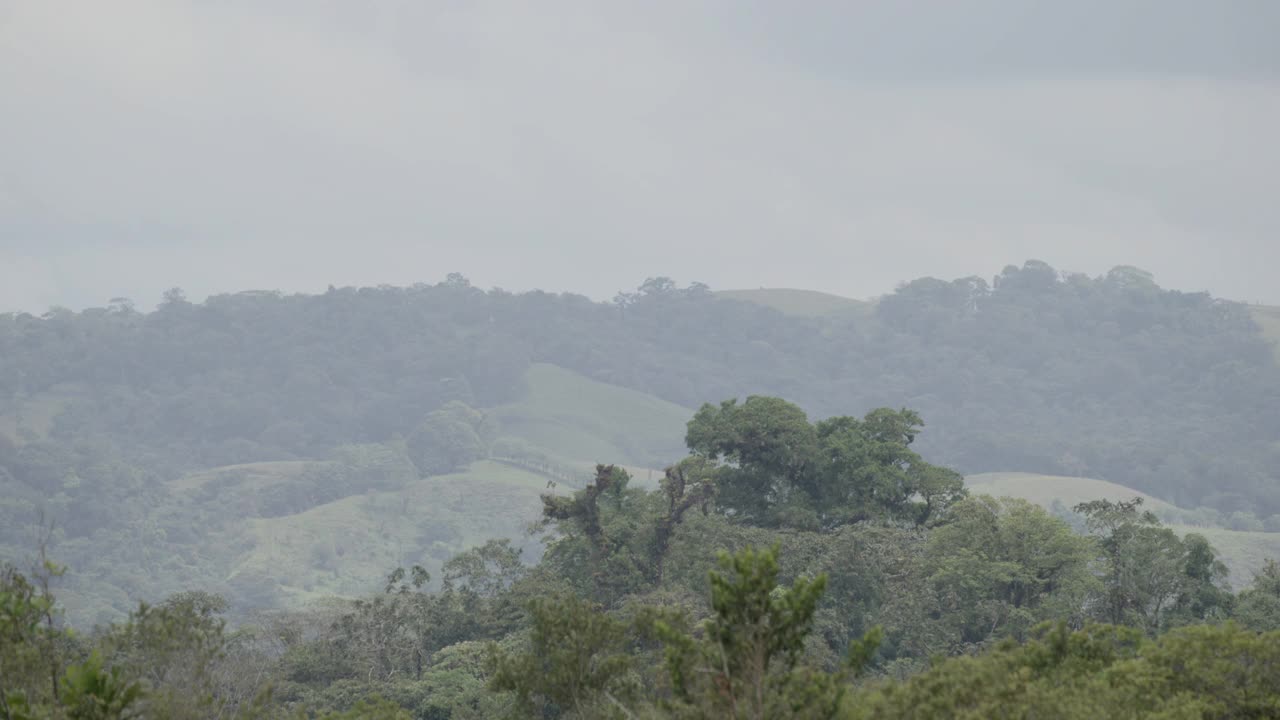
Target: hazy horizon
582 147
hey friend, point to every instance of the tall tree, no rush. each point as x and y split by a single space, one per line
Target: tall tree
745 665
776 468
575 665
1151 577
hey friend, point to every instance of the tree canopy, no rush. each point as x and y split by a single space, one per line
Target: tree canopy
1112 377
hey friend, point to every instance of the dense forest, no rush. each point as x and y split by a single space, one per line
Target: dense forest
1112 377
854 579
106 415
743 414
444 502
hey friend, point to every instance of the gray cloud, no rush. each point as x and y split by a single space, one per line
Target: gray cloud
584 146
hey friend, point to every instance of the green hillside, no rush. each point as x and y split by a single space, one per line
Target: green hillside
1044 489
196 445
243 544
1243 552
33 418
346 547
1154 388
1268 318
580 420
802 303
251 477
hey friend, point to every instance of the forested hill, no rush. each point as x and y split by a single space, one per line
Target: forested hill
1173 393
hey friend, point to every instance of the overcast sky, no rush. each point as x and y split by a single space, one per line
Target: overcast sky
846 146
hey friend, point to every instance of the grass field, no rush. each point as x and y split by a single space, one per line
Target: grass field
252 476
35 416
581 421
1044 489
348 546
803 303
1268 318
1243 552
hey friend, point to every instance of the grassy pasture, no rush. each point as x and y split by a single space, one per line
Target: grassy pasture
1268 318
1243 552
580 420
802 303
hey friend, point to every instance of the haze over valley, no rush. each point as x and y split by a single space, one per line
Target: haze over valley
639 361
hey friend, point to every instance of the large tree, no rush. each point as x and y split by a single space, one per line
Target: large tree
777 468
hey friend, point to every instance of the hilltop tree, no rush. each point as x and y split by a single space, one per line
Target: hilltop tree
776 468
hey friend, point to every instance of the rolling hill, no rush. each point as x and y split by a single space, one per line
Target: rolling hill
342 548
579 420
548 440
1243 552
1044 489
1110 376
347 546
33 418
800 303
1268 318
81 427
551 436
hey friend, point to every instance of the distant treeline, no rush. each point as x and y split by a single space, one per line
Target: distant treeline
1176 394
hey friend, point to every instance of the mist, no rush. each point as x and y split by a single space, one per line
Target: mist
580 360
586 146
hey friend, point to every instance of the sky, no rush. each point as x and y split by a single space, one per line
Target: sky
585 146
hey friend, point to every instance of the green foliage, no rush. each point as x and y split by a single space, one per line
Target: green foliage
684 486
778 469
575 665
373 708
486 571
1244 553
794 631
1119 360
104 410
1259 606
91 692
606 532
744 665
1099 671
1152 578
32 646
449 439
173 649
769 445
995 568
789 632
